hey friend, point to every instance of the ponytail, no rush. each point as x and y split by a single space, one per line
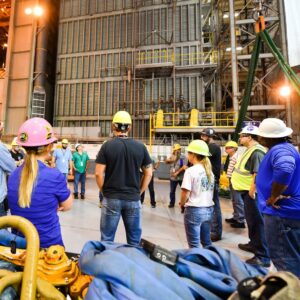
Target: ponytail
207 166
28 178
208 170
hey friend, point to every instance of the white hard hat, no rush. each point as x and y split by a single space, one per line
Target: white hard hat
273 128
250 129
76 146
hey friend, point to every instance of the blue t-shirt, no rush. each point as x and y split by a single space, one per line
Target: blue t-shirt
50 189
62 159
282 165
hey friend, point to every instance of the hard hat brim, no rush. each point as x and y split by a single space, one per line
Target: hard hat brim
288 131
47 142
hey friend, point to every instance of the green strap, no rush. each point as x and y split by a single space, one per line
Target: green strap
249 84
247 95
288 71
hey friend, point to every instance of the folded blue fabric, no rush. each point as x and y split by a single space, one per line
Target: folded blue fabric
6 237
126 272
132 269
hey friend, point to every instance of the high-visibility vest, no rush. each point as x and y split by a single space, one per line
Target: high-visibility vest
241 178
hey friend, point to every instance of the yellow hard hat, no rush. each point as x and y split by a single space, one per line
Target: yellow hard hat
65 141
122 117
232 144
14 142
198 147
176 147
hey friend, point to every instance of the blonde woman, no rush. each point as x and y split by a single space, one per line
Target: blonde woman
35 191
197 195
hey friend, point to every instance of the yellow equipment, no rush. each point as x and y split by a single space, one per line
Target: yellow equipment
194 117
42 270
224 182
159 119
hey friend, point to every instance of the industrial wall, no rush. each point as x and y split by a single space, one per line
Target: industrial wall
104 45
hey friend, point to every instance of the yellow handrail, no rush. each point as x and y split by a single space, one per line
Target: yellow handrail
187 120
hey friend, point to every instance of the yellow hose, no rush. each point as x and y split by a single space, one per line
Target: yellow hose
14 278
28 290
48 291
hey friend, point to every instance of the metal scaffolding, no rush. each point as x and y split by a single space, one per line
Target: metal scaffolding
143 55
236 36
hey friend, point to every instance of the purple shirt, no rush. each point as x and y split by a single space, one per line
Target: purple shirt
50 189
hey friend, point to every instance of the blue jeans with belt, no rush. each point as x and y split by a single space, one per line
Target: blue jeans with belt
112 210
283 238
197 225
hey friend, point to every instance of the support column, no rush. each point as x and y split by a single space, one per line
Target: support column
234 67
285 54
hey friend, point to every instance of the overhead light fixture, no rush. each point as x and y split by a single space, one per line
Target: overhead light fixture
285 91
226 15
37 11
28 11
238 48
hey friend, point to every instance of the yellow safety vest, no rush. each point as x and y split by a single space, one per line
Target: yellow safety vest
241 178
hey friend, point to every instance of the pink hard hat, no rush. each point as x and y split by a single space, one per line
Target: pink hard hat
35 132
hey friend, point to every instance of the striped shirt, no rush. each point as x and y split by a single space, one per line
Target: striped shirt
232 161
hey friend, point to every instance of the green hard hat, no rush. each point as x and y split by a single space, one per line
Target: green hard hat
198 147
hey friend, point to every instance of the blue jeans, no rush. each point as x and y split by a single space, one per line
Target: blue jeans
151 192
173 186
283 238
256 228
79 177
216 224
197 225
238 205
112 210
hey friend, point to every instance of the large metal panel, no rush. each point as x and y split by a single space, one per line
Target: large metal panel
100 50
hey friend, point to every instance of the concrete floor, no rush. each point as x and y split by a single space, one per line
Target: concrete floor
161 225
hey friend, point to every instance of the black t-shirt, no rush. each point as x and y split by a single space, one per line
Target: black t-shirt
123 158
17 156
215 160
254 161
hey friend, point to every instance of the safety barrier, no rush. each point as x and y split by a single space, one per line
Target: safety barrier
194 118
163 56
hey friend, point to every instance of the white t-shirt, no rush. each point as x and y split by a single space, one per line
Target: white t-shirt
196 181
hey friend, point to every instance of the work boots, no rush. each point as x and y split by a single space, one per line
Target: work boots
82 196
75 195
